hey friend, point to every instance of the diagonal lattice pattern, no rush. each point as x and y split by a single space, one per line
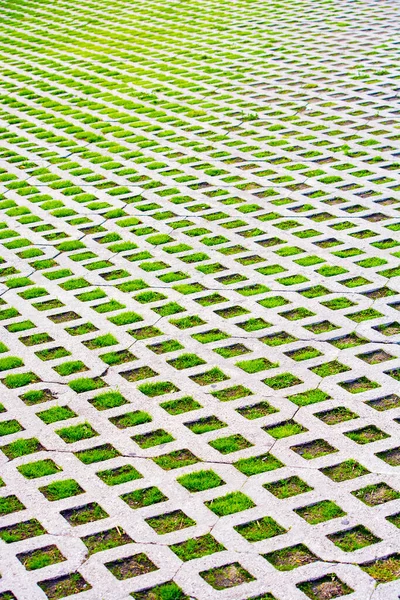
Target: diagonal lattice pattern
199 300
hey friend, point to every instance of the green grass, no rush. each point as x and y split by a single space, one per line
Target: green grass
197 547
320 512
119 475
98 454
57 413
205 424
168 522
76 433
286 488
40 468
353 539
144 497
153 438
200 481
178 407
260 529
108 400
65 488
230 504
40 558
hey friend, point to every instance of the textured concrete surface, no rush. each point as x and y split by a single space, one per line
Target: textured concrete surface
199 242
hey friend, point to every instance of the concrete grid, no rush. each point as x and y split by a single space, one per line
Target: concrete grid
199 272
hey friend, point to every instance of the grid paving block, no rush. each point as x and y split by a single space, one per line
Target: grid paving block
199 300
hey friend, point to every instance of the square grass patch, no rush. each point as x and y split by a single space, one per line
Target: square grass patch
384 569
353 539
305 353
291 558
200 481
76 433
41 557
197 547
366 435
158 388
325 588
282 381
214 375
232 393
320 512
230 504
260 529
286 488
105 540
376 494
336 415
256 365
180 406
176 459
284 429
314 449
165 591
84 514
40 468
132 566
227 576
21 531
10 504
153 438
58 490
360 385
256 411
144 497
231 443
258 464
66 585
205 424
119 475
169 522
97 454
349 469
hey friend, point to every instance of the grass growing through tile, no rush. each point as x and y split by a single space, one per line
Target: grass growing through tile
144 497
132 566
353 539
197 547
376 494
349 469
40 558
260 529
105 540
325 588
320 512
168 522
84 514
227 576
286 488
200 481
230 504
66 585
119 475
290 558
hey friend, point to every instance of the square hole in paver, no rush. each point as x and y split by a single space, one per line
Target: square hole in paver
325 588
227 576
376 494
320 512
260 529
290 558
132 566
197 547
353 539
286 488
168 522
